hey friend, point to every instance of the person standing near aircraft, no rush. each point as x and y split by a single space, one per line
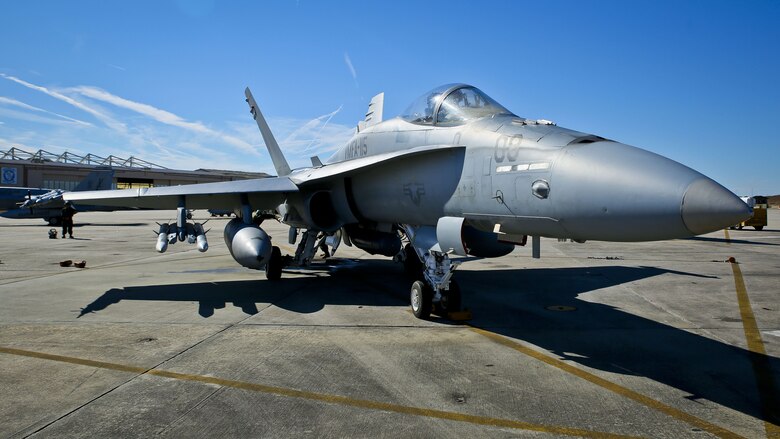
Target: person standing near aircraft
67 219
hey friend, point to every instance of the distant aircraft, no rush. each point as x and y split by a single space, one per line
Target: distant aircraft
11 196
455 174
47 203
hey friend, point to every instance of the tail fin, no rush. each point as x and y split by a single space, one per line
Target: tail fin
282 168
97 180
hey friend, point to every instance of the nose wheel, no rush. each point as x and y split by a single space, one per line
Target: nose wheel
422 300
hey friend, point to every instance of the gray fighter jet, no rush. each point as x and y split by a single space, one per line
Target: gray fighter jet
455 174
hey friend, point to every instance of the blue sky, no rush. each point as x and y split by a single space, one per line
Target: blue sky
696 81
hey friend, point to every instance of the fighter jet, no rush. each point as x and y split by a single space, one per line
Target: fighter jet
47 204
10 196
456 174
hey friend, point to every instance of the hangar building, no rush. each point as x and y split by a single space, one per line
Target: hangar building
43 169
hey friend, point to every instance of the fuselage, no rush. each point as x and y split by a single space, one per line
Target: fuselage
533 178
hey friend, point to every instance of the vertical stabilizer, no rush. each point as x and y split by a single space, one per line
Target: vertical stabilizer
374 112
282 168
98 180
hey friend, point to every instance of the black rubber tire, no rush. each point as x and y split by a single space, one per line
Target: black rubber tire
273 269
759 228
451 299
54 221
421 300
739 227
413 267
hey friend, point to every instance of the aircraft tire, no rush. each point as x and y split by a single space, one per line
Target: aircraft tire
759 228
421 300
53 221
451 299
273 269
412 265
739 227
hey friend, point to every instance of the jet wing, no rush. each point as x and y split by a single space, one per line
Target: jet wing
261 193
352 166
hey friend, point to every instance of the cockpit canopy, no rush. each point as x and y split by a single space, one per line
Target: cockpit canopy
452 104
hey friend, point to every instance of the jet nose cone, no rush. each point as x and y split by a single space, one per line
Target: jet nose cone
708 206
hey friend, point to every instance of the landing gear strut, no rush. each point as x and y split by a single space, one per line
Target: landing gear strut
433 289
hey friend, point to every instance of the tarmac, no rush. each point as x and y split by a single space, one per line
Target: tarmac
662 339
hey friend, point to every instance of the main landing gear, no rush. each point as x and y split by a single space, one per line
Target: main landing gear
433 290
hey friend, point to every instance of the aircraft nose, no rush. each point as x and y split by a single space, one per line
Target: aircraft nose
708 206
615 192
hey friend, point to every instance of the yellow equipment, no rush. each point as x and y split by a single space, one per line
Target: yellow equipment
758 220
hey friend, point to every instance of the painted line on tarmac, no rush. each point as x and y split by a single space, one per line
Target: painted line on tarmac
728 238
609 385
770 401
322 397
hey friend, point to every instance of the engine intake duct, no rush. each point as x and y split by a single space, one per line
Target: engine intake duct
322 213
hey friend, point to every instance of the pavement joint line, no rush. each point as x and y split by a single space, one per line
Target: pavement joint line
321 397
609 385
770 402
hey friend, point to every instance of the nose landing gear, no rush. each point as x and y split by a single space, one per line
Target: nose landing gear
434 290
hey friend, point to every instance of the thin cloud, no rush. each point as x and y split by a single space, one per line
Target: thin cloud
305 138
166 138
28 116
117 67
327 118
15 103
351 68
162 116
108 120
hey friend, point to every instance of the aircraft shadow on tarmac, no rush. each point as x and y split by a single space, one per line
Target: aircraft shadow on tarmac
324 284
515 303
730 241
606 338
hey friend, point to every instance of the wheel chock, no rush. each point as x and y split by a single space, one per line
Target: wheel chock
460 316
